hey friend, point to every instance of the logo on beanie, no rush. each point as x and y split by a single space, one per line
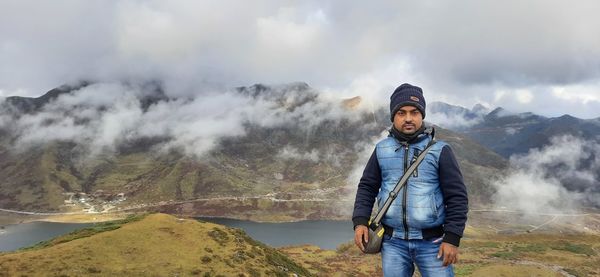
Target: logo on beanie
414 98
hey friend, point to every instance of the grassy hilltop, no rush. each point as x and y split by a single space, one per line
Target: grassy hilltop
156 245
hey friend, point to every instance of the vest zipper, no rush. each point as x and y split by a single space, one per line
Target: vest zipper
414 159
404 220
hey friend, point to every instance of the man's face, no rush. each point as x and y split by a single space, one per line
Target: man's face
408 120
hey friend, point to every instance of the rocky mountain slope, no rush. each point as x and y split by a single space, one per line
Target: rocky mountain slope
289 171
508 133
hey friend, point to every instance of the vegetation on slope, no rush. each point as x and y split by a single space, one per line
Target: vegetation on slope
157 245
481 254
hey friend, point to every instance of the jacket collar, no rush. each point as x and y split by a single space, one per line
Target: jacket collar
426 132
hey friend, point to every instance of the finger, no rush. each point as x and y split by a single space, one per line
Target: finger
440 253
451 259
454 257
359 244
357 240
446 259
366 236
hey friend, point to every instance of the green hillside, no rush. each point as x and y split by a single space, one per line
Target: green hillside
157 245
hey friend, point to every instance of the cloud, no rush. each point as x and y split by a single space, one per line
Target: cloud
102 116
364 150
511 131
290 152
462 57
558 178
452 121
577 93
98 116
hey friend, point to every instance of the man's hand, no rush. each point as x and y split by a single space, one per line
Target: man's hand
361 232
449 252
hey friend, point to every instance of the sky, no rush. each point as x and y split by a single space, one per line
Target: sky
539 56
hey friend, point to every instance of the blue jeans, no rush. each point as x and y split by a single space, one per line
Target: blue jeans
400 256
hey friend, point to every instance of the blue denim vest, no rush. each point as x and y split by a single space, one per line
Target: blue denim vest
420 204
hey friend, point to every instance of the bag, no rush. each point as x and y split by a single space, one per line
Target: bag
375 227
375 239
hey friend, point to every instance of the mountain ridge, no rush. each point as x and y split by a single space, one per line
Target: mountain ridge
282 172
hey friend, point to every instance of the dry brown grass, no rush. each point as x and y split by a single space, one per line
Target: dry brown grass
482 254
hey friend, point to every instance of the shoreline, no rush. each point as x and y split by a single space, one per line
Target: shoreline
9 219
72 218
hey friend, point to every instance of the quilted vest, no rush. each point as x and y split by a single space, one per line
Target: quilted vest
420 204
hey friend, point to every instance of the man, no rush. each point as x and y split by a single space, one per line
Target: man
425 222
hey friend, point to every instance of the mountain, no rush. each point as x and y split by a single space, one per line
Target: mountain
480 109
19 105
438 107
508 133
454 117
156 245
516 134
298 170
23 105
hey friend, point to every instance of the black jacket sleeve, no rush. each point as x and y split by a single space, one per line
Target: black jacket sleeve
368 188
455 196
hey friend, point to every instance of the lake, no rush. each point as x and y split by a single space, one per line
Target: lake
327 234
15 236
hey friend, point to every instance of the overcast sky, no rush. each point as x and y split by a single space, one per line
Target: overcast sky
540 56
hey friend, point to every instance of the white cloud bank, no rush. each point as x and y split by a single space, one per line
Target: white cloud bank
558 178
102 116
544 55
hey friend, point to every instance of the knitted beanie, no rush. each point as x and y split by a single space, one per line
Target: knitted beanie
404 95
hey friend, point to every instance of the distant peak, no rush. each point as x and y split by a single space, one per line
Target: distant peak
299 86
497 112
31 104
292 85
442 104
445 108
54 93
480 109
567 117
351 103
260 89
289 95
